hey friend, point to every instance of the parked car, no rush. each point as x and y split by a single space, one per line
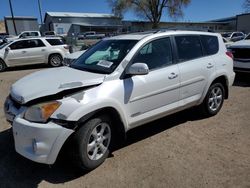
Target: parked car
25 34
138 78
241 53
32 51
50 33
234 36
90 35
227 42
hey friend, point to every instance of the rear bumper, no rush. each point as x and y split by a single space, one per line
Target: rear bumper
39 142
241 66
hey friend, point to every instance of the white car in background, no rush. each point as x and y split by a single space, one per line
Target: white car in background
24 34
234 36
241 53
29 51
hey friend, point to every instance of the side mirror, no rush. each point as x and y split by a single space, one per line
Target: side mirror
138 69
7 49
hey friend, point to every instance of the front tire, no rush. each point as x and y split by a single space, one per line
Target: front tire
213 100
55 60
2 66
93 141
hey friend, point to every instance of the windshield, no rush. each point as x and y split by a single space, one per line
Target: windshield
105 56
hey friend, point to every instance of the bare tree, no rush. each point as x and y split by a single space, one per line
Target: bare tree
151 10
246 5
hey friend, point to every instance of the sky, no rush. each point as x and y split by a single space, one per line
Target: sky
198 10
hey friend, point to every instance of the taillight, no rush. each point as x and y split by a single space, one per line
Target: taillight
230 54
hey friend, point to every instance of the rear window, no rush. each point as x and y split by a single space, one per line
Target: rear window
210 44
55 42
189 47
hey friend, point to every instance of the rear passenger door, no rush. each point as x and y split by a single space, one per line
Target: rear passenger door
195 65
35 52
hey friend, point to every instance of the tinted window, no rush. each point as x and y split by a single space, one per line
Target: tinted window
210 44
55 42
155 54
18 45
34 43
189 47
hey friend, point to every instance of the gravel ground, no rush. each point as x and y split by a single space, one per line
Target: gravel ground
181 150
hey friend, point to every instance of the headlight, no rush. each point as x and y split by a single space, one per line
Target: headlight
41 112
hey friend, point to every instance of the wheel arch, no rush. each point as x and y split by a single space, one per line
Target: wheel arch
116 120
224 81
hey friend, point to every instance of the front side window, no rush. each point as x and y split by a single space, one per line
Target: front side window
105 56
18 45
155 54
188 47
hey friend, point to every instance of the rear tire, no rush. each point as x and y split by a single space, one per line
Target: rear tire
55 60
93 142
213 100
2 66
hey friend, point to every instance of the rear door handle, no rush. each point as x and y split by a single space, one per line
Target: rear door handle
173 75
43 50
24 52
210 65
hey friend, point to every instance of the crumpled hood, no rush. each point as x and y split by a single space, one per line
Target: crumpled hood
241 44
52 81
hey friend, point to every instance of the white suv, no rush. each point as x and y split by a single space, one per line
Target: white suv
120 83
33 51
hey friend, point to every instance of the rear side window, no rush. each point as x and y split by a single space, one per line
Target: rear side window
188 47
55 42
210 44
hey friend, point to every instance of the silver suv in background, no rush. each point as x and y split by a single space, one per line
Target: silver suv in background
234 36
118 84
29 51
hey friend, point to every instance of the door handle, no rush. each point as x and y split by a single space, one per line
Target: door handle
24 52
43 50
173 75
210 65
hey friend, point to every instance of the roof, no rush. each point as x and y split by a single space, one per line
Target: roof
21 17
75 14
155 33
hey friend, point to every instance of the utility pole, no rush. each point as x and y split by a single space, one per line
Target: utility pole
12 15
40 11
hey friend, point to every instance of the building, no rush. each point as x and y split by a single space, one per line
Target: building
135 26
68 22
239 22
2 27
22 24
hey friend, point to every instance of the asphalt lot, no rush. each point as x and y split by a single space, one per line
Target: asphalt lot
181 150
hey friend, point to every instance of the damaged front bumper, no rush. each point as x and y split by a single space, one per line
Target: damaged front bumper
39 142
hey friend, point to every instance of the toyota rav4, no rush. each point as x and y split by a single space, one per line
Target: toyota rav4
118 84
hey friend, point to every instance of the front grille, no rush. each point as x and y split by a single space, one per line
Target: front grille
241 54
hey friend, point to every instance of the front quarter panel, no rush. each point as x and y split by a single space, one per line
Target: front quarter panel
109 94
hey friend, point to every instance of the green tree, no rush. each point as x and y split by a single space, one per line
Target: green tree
246 5
151 10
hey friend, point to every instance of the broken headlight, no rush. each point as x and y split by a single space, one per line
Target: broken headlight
41 112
